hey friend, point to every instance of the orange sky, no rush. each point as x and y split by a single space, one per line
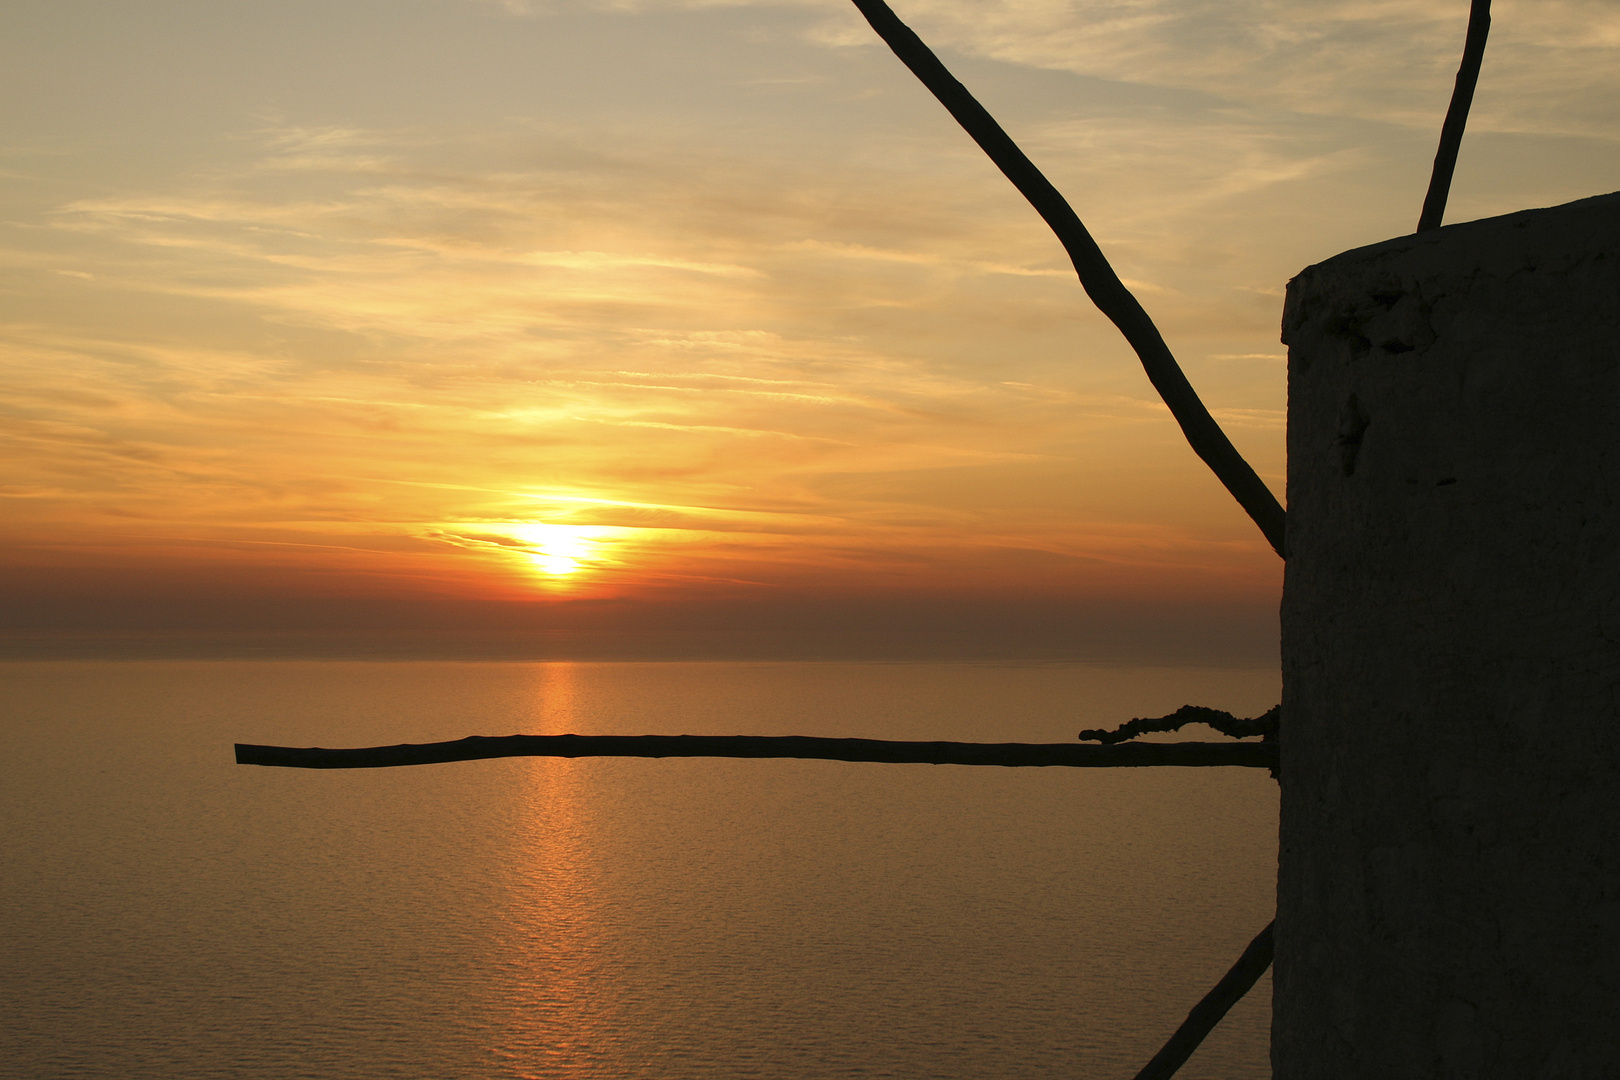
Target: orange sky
468 320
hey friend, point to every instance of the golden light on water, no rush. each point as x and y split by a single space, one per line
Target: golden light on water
559 1017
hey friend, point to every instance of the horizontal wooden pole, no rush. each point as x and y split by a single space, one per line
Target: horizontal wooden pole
475 747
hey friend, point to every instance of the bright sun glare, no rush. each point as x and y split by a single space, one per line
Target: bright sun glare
558 550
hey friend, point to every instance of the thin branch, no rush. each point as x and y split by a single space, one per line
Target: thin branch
1208 1012
1110 295
1224 722
1254 755
1451 132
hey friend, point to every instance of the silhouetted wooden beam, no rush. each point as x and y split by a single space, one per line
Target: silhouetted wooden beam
1208 1012
1451 131
1253 755
1110 295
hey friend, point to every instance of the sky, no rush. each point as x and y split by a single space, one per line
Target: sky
680 328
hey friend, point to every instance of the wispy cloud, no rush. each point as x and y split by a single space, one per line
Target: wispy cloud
1552 66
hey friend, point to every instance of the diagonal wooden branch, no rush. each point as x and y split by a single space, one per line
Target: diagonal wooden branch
1451 131
1208 1012
1254 755
1110 295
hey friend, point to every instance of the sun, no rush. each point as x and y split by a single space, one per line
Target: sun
559 550
551 556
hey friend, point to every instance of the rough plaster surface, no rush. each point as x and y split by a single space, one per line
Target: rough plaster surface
1449 872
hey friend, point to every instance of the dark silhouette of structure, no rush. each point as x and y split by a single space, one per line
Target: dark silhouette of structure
1449 871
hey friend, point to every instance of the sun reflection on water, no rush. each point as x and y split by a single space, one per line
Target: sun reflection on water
562 1008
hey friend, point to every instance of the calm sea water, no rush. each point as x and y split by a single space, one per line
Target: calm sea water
170 915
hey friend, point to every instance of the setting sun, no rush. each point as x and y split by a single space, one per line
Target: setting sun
559 550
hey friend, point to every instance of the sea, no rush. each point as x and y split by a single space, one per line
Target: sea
169 915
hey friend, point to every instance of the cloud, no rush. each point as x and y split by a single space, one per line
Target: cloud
1553 66
1383 59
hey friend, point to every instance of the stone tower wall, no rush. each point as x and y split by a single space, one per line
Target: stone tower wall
1449 877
